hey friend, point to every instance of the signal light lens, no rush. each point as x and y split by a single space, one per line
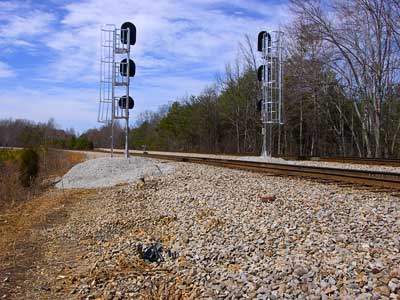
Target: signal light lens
122 102
132 33
259 105
260 73
123 67
260 40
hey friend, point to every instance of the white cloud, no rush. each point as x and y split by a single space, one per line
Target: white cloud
171 35
180 46
20 22
6 71
35 23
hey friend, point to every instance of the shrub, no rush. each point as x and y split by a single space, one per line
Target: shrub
28 167
82 143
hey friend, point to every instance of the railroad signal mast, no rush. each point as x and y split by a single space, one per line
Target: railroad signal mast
116 69
270 74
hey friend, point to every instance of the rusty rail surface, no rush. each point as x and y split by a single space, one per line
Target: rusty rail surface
387 180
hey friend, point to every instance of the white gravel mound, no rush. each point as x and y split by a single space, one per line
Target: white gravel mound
265 159
106 171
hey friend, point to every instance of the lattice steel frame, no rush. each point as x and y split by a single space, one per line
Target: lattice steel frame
271 86
111 80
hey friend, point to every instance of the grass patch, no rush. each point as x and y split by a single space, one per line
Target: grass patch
16 165
8 155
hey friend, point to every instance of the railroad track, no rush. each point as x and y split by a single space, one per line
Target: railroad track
374 180
364 161
348 160
384 181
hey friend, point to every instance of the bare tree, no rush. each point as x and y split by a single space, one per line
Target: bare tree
363 53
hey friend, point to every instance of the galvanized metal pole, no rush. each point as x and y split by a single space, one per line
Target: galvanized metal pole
280 36
264 98
113 93
270 98
127 95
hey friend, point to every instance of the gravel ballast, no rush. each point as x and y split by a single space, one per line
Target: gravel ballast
106 171
323 164
236 235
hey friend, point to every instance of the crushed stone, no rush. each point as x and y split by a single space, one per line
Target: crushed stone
106 172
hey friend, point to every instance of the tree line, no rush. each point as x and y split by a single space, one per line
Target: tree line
341 90
341 94
29 134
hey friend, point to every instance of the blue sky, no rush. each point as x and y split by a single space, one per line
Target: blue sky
49 51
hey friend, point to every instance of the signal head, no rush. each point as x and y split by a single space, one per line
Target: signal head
132 33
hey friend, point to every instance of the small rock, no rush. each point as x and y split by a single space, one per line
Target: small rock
382 290
341 238
364 296
274 295
376 267
375 296
268 199
262 290
299 270
45 288
395 273
330 289
394 285
251 287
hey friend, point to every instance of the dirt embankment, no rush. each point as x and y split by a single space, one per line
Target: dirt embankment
22 245
24 211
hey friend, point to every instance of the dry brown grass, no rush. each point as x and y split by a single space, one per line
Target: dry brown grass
58 162
10 188
23 210
53 163
17 221
20 241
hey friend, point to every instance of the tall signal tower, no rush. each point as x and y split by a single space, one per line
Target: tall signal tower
116 69
270 74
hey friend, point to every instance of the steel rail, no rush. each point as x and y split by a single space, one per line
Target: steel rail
393 162
365 161
380 179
